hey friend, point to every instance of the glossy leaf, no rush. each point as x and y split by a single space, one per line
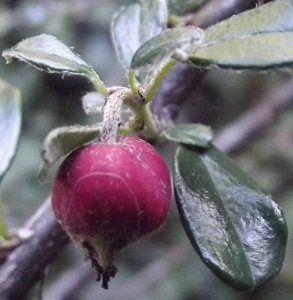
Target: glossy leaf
135 24
190 134
61 141
237 229
275 16
46 53
179 7
10 123
165 44
264 51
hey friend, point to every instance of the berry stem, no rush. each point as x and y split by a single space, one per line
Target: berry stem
133 83
112 114
98 83
158 78
142 121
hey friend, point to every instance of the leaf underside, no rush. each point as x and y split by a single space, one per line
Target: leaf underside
276 16
46 53
264 51
257 39
237 229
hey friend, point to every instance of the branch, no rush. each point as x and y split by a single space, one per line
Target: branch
237 134
26 264
178 84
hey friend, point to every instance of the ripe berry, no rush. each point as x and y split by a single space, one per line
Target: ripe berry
107 195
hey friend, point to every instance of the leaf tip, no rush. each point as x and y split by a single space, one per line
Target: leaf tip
8 57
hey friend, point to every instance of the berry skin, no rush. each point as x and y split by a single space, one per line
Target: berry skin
107 195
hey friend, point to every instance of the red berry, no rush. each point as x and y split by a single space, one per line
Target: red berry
109 195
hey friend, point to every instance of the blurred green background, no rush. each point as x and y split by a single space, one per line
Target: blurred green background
164 265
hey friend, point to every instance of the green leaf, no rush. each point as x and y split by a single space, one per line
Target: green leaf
243 41
190 134
276 16
135 24
10 123
179 7
61 141
46 53
172 41
263 51
236 228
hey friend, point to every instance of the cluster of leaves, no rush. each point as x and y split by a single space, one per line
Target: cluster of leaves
237 229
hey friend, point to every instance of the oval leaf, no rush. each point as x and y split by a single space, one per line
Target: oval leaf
238 231
46 53
61 141
10 123
190 134
165 44
179 7
263 51
135 24
275 16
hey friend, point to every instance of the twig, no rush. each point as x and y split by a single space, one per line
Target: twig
237 134
25 265
179 83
